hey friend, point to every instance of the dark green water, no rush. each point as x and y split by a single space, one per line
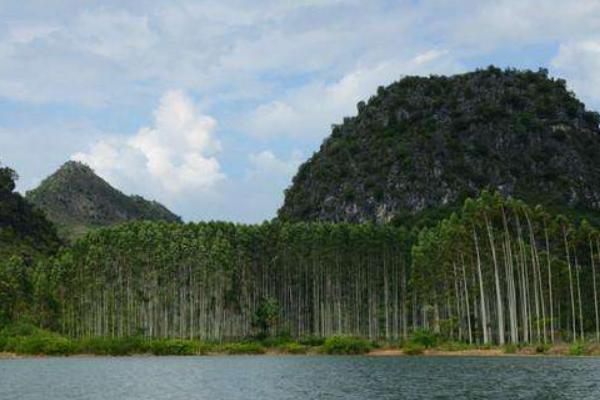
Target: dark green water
295 377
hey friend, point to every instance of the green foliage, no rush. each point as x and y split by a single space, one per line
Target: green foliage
578 349
275 341
27 339
266 315
244 348
24 230
312 341
179 347
411 348
46 344
454 346
139 345
510 348
223 268
346 345
425 338
542 348
293 348
113 347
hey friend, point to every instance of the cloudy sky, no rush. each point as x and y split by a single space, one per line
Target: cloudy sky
210 106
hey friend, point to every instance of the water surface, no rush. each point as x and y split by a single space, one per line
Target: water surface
299 377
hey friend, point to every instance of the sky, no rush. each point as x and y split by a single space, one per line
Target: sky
209 107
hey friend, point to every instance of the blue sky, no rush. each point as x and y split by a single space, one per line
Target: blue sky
210 106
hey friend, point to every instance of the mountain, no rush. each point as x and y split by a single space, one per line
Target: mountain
76 199
423 144
24 230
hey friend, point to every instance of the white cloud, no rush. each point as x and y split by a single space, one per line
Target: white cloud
309 110
579 63
29 33
274 70
478 27
176 154
116 35
265 164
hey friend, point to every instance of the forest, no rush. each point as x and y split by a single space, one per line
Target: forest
497 272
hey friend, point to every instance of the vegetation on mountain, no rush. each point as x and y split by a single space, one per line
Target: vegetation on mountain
26 236
76 200
24 231
421 146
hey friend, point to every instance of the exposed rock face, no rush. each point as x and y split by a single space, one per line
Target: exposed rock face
425 143
76 199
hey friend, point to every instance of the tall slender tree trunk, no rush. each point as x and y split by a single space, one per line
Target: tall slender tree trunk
466 289
499 305
573 318
595 290
484 323
549 265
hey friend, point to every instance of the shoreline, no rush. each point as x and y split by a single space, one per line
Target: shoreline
558 351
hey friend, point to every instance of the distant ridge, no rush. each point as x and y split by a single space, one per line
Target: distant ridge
76 200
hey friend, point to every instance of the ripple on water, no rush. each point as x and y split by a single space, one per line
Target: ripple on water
299 377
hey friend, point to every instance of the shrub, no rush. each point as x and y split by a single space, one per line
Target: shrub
113 347
293 348
276 341
346 345
413 349
19 329
510 348
454 346
542 348
178 347
48 344
312 341
578 349
266 315
28 339
244 348
425 338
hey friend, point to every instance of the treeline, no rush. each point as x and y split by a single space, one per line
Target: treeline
502 272
208 281
497 272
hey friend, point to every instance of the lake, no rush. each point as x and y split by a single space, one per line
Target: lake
300 377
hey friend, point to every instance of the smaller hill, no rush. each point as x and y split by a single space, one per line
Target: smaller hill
76 200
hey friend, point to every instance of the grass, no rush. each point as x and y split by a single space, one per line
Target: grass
510 348
411 348
311 341
112 347
26 339
293 348
30 340
243 348
454 346
425 338
578 349
346 345
542 348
